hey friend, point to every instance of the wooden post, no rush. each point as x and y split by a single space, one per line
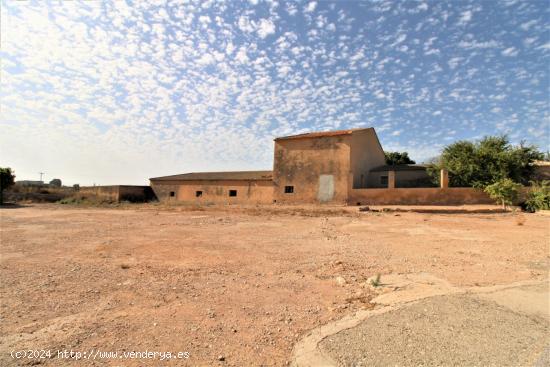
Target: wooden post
391 180
444 180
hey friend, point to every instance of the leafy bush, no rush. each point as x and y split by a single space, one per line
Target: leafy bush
504 191
7 179
56 182
538 197
482 163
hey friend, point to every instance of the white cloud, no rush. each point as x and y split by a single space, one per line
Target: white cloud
478 45
229 48
245 24
291 9
510 51
265 28
242 57
454 62
527 25
465 17
310 7
204 19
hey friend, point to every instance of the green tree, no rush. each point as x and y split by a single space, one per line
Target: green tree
7 179
393 158
504 191
485 162
56 182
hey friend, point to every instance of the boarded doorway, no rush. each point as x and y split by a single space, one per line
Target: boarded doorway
326 188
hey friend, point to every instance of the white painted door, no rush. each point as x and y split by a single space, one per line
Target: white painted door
326 188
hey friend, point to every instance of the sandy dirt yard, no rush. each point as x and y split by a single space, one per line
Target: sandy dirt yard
230 286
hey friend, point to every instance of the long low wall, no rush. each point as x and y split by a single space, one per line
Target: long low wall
419 196
215 192
117 193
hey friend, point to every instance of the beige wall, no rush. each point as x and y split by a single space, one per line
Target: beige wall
107 193
216 192
116 193
366 154
419 196
314 166
542 172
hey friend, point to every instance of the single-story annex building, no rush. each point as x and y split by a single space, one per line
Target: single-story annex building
317 167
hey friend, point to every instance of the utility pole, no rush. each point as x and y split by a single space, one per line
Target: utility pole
41 174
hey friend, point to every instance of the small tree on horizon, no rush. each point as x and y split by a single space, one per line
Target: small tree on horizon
56 182
394 158
7 179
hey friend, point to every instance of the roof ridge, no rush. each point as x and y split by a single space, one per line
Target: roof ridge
218 176
315 134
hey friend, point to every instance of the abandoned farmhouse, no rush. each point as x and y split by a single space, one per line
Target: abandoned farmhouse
340 167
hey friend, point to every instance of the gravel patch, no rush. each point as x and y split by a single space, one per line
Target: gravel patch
453 330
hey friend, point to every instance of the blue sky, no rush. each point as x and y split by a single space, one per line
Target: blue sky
116 92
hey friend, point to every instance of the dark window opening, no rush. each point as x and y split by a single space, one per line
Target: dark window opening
198 194
384 180
358 203
172 193
232 192
289 189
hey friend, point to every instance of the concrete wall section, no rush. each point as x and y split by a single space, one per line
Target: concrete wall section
419 196
215 192
104 193
366 153
317 169
165 191
115 193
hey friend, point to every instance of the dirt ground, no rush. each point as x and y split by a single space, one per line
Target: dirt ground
230 286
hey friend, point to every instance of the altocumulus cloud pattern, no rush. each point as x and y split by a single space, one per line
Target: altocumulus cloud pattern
115 92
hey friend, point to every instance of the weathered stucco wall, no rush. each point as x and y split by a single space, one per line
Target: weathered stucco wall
317 168
542 172
216 192
106 193
162 190
116 193
366 153
419 196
